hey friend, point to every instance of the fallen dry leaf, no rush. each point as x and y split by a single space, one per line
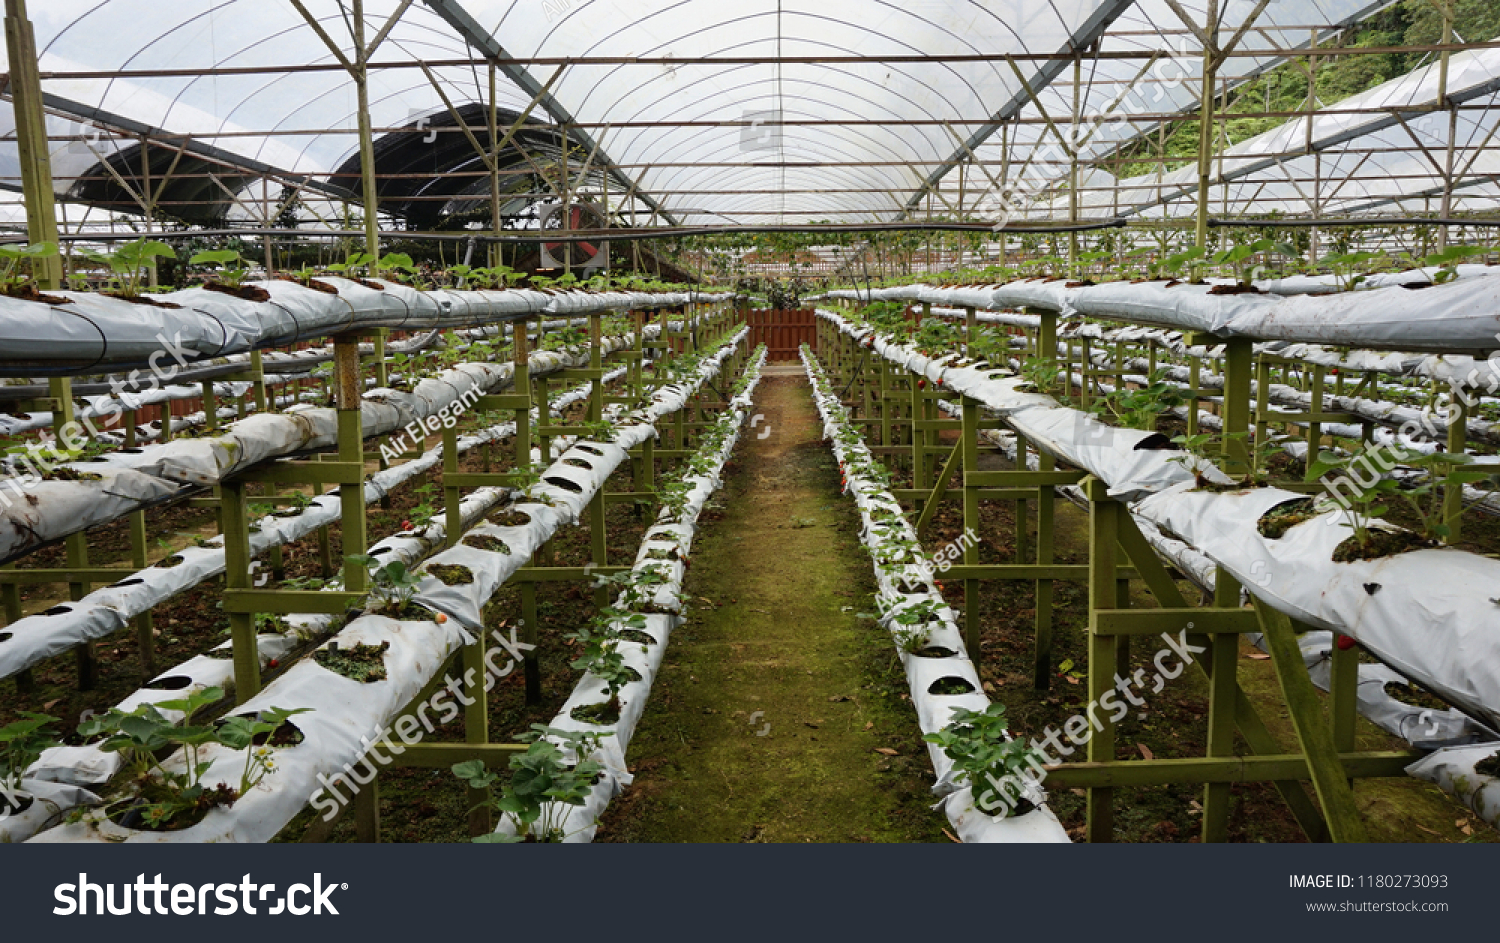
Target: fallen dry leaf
869 725
1258 656
887 751
950 835
1145 751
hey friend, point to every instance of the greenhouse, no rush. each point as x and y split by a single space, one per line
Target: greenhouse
570 421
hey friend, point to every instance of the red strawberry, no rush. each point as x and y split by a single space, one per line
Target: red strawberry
273 663
406 525
921 384
1345 642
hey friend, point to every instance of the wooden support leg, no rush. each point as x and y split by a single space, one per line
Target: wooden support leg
1223 687
476 726
1313 732
970 452
145 632
367 810
1103 538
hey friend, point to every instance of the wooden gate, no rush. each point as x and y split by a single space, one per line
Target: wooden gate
782 331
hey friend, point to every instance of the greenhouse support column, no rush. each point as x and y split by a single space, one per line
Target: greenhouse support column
521 362
1314 428
32 150
1104 528
1238 364
361 74
145 632
1446 9
1453 492
452 495
236 527
1046 339
349 386
1263 405
1206 124
598 546
970 451
1223 692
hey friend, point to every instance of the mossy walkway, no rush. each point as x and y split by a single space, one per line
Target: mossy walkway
776 700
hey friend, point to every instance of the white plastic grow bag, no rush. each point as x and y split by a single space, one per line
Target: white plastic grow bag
901 587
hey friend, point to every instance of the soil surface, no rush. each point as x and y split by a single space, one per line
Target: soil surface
776 699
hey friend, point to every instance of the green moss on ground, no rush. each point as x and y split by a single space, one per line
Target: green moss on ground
775 702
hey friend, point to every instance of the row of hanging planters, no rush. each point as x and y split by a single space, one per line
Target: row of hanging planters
970 747
87 766
1423 727
582 750
315 723
68 333
1452 316
76 496
1478 375
1425 611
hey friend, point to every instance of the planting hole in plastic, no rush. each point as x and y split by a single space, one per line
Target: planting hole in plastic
287 735
578 463
136 581
170 683
512 519
7 636
379 550
589 449
58 610
935 651
1155 442
563 483
950 685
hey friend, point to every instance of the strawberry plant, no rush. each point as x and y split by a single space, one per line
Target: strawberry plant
542 784
21 745
984 757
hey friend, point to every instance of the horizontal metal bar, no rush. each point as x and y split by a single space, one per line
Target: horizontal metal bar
1229 769
1013 479
554 574
1157 621
444 755
503 401
314 473
328 602
480 479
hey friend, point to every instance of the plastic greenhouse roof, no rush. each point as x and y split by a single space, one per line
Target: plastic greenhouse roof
871 133
1365 162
